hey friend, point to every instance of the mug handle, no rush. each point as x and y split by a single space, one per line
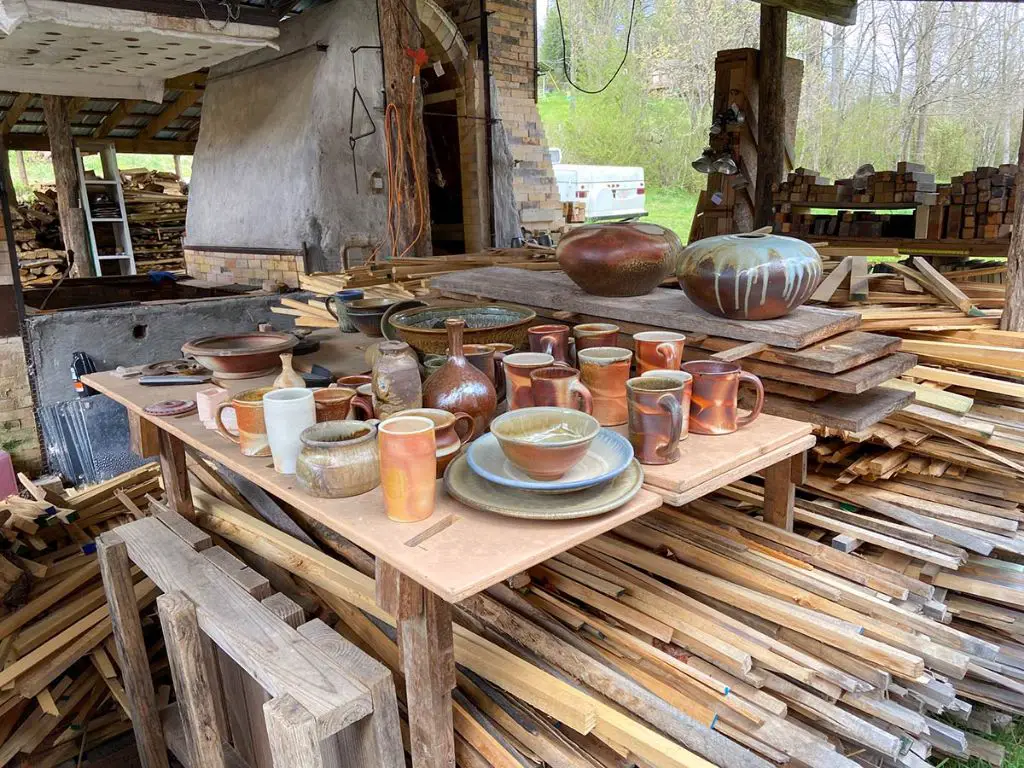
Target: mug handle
462 417
548 344
755 382
361 403
586 400
560 364
220 423
329 302
665 351
671 404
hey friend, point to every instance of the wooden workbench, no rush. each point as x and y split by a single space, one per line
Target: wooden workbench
458 552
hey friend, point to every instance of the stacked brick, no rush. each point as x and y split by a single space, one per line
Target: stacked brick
244 268
18 435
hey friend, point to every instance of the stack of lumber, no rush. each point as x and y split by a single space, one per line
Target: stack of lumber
157 204
37 238
909 183
977 204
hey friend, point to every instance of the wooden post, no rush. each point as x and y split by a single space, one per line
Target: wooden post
294 740
779 492
1013 311
131 647
175 474
57 111
22 170
771 111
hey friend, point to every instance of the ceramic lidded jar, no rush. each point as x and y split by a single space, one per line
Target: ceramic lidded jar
623 259
751 276
396 380
459 386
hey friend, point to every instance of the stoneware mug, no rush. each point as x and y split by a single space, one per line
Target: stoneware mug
361 406
332 403
552 340
252 429
518 367
658 349
655 418
590 335
336 306
558 387
687 381
408 467
713 405
451 430
288 412
605 371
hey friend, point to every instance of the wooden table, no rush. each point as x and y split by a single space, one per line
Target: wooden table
424 567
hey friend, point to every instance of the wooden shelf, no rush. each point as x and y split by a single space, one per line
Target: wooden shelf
852 206
948 247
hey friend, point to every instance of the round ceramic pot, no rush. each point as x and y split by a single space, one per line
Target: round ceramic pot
338 459
396 380
332 403
751 276
624 259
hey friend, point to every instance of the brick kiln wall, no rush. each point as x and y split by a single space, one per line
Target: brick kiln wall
243 268
18 434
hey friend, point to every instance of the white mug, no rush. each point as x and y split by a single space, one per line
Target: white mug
287 412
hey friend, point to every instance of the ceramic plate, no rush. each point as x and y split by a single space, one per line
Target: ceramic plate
608 456
463 484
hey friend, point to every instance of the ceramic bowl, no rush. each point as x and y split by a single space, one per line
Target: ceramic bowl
240 355
609 455
424 328
545 443
386 328
366 314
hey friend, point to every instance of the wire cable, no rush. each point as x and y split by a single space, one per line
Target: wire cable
565 59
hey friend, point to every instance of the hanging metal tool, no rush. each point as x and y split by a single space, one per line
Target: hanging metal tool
358 96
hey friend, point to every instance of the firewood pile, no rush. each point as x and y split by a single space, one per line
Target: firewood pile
156 203
38 240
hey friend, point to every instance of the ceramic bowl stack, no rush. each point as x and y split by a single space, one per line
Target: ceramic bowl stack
548 464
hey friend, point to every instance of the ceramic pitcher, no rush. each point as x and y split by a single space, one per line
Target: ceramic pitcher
252 429
605 371
336 306
288 412
332 403
655 418
558 387
408 467
713 406
658 349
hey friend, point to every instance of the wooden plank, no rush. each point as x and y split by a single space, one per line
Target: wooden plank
779 494
662 307
143 436
841 410
945 289
175 474
169 114
832 281
294 734
13 113
859 279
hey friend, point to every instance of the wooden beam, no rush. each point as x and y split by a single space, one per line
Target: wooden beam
771 118
14 112
1013 311
842 12
114 119
38 142
171 112
65 172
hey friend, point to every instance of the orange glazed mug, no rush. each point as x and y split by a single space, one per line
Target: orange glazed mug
658 349
252 429
714 403
407 467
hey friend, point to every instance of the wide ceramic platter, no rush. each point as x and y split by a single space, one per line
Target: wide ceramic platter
463 484
608 456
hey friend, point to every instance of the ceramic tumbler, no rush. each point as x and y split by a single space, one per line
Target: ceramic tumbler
605 371
408 467
590 335
552 340
713 406
558 387
687 381
655 418
518 367
332 403
336 306
249 417
658 349
451 430
287 412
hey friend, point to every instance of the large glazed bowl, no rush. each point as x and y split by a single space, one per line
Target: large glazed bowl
366 314
750 276
628 259
240 355
424 328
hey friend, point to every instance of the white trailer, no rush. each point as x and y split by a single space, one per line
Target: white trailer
609 191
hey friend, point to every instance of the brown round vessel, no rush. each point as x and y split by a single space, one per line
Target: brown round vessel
458 385
625 259
240 355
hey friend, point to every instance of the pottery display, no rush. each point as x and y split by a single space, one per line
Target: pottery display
249 421
336 306
389 331
424 328
466 486
365 314
361 406
288 377
552 340
658 349
287 412
450 430
338 459
605 370
396 380
620 259
240 355
588 335
333 403
545 443
518 367
751 276
560 387
408 467
655 418
608 456
458 386
713 405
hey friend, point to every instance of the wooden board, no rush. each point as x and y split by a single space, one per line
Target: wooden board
663 307
840 410
839 353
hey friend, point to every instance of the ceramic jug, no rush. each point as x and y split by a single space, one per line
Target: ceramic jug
459 386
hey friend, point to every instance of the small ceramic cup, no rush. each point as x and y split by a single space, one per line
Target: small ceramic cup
658 349
687 381
558 387
287 412
408 467
355 381
332 403
338 459
551 340
518 367
361 406
655 418
252 428
605 371
481 357
590 335
451 430
336 306
713 406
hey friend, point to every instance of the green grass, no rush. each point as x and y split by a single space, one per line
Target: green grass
1012 738
672 208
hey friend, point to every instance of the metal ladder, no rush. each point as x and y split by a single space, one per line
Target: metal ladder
122 261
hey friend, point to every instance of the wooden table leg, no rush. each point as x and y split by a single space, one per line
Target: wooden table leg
428 662
175 473
780 491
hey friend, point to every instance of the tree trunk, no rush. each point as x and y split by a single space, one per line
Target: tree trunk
65 173
771 118
22 170
1013 312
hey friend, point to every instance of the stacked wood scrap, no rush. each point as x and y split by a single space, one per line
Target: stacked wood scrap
37 238
157 204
